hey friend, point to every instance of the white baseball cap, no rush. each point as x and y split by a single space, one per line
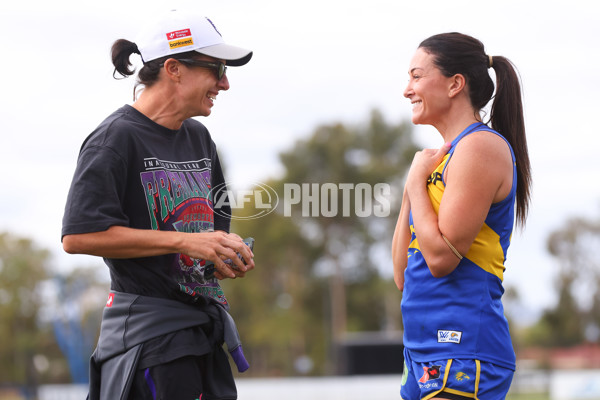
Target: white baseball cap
181 31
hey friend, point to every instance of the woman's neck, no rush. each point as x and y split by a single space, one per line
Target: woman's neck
158 106
456 121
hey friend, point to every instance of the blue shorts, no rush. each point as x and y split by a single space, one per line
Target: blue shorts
473 379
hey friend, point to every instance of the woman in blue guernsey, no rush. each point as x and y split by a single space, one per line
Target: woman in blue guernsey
459 206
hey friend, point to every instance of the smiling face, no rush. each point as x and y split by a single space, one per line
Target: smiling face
427 89
200 87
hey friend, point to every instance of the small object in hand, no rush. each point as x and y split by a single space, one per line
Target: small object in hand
250 243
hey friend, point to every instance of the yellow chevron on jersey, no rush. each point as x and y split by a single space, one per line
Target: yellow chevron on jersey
414 243
435 185
486 251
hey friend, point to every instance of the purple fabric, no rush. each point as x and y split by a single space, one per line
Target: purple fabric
150 383
238 357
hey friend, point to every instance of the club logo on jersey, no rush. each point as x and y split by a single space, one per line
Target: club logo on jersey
449 336
461 376
430 373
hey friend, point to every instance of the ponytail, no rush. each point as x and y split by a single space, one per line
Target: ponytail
507 118
121 50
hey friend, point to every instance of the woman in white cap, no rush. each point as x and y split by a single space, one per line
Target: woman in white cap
142 198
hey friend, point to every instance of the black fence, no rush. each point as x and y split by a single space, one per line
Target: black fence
371 353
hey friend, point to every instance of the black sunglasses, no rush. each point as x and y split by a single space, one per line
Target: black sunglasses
218 66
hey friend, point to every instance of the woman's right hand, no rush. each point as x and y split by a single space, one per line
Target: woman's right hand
125 242
218 247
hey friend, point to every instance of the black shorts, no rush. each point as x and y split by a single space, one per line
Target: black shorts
206 377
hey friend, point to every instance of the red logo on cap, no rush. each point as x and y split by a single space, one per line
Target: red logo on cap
178 34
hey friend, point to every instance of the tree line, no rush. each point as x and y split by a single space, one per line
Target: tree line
323 269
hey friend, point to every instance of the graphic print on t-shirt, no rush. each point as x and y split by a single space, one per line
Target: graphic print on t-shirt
178 197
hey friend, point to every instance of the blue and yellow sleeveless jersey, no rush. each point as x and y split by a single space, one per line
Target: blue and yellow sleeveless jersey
461 315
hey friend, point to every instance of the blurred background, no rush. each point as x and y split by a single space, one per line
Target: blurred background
321 102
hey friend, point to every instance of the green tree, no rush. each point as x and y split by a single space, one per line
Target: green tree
318 258
22 271
576 316
371 155
76 315
277 306
34 303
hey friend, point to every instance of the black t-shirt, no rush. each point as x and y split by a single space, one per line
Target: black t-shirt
136 173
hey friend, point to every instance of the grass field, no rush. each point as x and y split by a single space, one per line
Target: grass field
528 396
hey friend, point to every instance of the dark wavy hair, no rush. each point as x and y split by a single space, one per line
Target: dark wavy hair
121 52
457 53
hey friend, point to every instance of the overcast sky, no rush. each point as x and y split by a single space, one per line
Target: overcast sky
315 62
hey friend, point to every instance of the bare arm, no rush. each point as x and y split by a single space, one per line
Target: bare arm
400 242
124 242
479 174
